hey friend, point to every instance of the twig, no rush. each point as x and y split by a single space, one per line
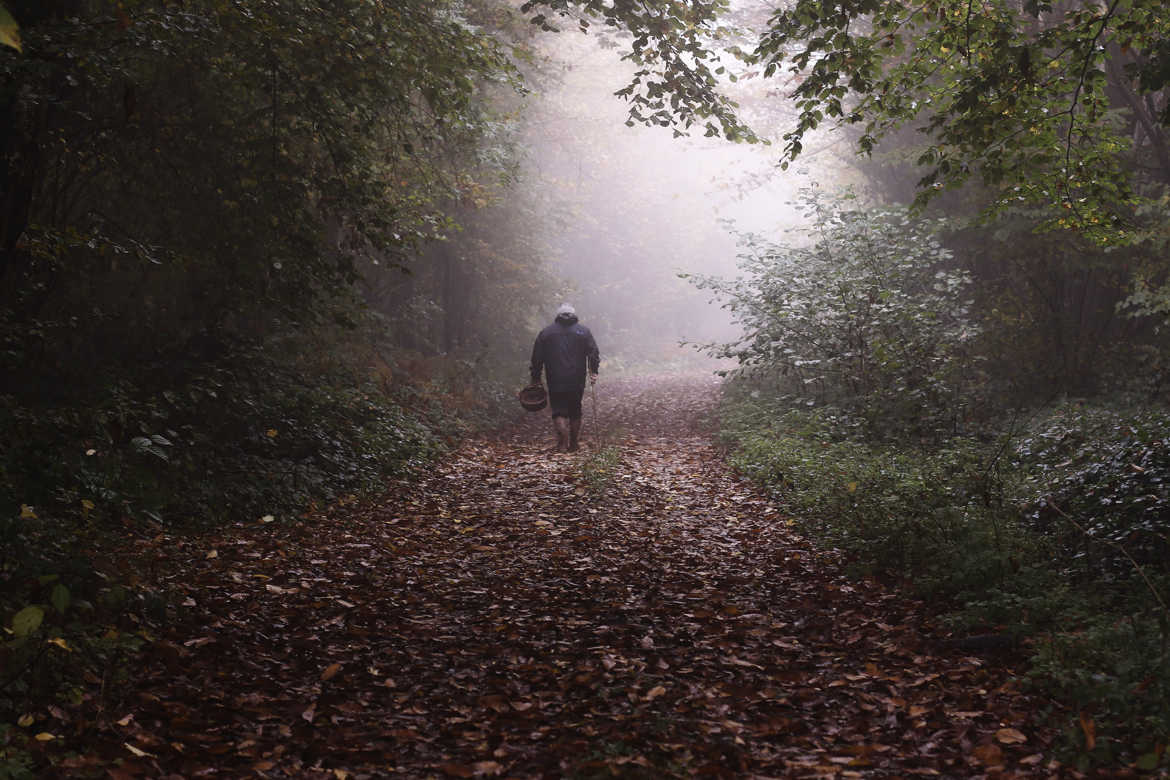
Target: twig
1072 120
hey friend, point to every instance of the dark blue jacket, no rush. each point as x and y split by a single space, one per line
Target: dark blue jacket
563 351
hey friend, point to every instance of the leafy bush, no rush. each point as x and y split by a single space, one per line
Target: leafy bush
934 514
1114 673
1098 480
868 315
245 436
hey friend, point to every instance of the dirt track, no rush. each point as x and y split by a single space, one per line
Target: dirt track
508 616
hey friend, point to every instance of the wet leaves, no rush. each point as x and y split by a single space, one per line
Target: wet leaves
497 620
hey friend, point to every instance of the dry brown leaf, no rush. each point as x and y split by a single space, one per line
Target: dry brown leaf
1089 729
989 754
1009 736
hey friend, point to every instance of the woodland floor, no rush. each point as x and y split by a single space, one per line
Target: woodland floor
503 618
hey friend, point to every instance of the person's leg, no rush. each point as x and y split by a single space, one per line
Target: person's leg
561 407
575 420
574 433
561 426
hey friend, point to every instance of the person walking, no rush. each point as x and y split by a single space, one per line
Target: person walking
565 351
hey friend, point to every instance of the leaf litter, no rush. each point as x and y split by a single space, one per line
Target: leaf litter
503 617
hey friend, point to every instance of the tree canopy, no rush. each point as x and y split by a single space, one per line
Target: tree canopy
1057 104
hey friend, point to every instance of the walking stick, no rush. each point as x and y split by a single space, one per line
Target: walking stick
593 396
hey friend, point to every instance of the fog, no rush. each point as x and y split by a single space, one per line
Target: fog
622 211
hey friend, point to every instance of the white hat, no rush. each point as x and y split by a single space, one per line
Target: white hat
566 308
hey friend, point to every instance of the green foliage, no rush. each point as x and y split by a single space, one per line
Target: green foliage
64 626
252 190
1055 307
893 509
1019 95
1113 671
9 29
1097 480
868 314
248 435
599 469
675 83
1046 104
973 525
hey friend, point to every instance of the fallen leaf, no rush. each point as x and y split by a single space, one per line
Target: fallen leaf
331 671
1090 731
989 754
1010 736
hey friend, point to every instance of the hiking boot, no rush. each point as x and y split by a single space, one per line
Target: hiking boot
574 433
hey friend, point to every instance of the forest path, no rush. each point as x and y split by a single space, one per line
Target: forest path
507 616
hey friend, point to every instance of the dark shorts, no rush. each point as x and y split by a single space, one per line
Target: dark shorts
566 404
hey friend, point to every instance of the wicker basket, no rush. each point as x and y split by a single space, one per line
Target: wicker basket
533 398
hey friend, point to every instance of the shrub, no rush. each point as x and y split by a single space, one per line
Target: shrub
868 315
934 513
1097 480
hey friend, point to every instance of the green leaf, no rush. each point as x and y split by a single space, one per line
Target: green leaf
1147 762
9 30
60 598
27 620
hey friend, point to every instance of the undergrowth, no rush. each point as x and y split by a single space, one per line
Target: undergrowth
267 433
599 469
1055 533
